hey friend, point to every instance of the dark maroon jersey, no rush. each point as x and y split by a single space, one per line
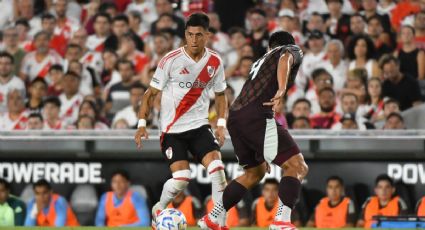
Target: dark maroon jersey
262 83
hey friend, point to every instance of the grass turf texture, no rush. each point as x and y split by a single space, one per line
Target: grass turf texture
191 228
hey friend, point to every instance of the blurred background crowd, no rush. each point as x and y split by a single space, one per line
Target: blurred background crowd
86 64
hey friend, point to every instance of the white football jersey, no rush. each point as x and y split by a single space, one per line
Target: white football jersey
70 108
185 84
32 68
7 124
95 43
13 83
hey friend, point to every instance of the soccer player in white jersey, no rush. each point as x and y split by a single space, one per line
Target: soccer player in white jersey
184 77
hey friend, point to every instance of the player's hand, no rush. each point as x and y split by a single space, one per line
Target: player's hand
220 135
275 101
141 132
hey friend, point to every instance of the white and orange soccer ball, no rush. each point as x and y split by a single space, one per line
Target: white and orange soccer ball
171 219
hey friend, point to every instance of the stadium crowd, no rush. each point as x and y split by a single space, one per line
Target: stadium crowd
86 64
127 205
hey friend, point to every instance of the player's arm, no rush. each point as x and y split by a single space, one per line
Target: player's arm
144 110
61 207
283 71
221 107
31 217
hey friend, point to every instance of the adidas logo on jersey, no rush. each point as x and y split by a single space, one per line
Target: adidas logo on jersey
184 71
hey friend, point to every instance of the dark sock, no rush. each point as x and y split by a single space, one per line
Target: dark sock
233 194
289 191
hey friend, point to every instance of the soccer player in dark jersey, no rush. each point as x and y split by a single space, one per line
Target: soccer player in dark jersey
257 138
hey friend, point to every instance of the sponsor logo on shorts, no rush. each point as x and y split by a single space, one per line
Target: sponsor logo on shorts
169 153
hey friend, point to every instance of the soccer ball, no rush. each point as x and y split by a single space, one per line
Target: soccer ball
171 219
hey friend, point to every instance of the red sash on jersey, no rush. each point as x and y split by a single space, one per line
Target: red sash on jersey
100 47
57 126
70 111
45 70
193 94
21 122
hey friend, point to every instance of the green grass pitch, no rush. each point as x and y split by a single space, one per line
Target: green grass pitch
104 228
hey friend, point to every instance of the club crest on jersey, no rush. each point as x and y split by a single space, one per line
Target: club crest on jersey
169 153
210 70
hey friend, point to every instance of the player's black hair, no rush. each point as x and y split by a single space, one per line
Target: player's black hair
237 30
39 79
320 71
352 45
165 15
281 38
121 172
390 101
349 94
57 67
4 54
135 14
102 15
410 27
272 181
329 89
395 114
138 85
374 17
72 74
5 183
36 115
52 100
387 58
73 46
124 62
121 17
384 177
301 100
336 178
198 20
47 16
42 183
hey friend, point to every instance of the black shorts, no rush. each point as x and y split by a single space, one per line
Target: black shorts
257 137
199 142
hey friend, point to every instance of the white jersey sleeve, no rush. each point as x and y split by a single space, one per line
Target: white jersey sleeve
161 75
220 79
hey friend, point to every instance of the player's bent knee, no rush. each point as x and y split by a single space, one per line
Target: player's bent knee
181 179
296 166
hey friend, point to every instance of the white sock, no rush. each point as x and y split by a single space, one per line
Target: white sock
217 213
218 184
283 213
173 186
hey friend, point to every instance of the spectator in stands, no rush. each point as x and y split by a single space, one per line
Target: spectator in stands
166 7
321 79
48 209
327 117
89 84
335 63
384 203
37 92
122 207
127 51
88 108
11 45
241 74
120 26
403 88
265 207
394 121
51 110
300 108
383 41
134 20
412 59
37 63
356 84
361 51
259 34
102 29
420 207
238 39
109 75
220 41
16 116
85 122
8 81
373 109
70 98
58 39
189 205
315 22
12 210
348 121
24 9
287 22
349 105
54 80
337 23
35 121
129 113
357 25
391 106
420 29
315 54
301 123
335 210
370 10
147 11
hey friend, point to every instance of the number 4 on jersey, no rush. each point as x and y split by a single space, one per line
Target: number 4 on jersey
256 67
